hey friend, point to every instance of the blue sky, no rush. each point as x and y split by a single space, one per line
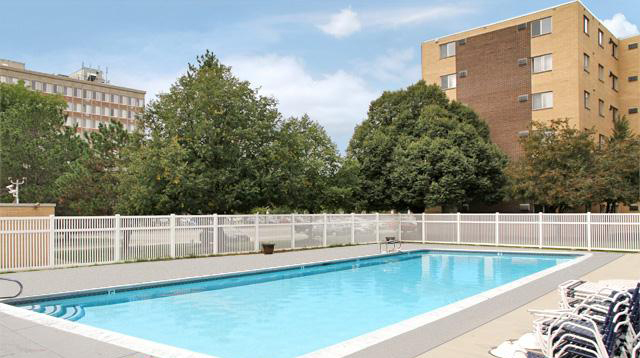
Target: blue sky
326 58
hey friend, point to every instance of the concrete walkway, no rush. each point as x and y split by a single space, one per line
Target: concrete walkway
20 338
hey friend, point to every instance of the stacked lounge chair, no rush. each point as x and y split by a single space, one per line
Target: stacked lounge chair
602 324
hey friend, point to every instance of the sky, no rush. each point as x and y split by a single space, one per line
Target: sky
326 58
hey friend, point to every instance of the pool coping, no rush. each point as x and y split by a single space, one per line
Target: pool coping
338 350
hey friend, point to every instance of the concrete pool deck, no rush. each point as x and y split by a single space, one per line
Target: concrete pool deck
482 326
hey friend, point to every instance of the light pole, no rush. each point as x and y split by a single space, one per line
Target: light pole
14 188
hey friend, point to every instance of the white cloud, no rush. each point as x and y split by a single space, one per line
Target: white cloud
337 100
342 24
397 66
412 15
620 26
346 22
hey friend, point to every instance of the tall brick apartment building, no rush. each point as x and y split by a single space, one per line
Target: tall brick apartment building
91 100
560 62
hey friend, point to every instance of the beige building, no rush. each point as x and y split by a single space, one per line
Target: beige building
91 100
560 62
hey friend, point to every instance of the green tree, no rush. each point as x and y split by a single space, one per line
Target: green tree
556 170
617 170
214 145
90 184
306 167
417 149
34 143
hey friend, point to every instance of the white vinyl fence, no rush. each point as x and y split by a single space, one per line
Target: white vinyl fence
42 242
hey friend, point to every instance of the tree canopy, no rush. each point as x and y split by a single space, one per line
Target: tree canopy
564 169
34 143
416 149
213 144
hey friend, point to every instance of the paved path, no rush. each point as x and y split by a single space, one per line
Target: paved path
23 339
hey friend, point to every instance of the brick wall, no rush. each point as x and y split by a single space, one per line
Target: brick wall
22 210
495 80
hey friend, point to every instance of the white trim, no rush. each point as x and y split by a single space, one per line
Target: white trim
338 350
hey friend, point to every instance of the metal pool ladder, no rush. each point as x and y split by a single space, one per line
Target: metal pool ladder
390 242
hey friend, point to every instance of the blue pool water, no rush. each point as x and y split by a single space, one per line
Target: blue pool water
286 313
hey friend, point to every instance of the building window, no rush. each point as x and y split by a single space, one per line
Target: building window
614 82
542 100
633 110
633 46
602 140
69 106
633 78
115 98
123 100
601 108
448 81
585 63
448 50
105 111
97 110
600 38
541 27
614 50
614 112
587 95
601 72
78 107
585 25
542 63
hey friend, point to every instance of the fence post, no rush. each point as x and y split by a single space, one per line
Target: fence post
353 229
540 229
497 228
400 226
424 228
52 238
589 230
324 230
172 235
215 234
257 233
458 227
377 228
118 239
293 231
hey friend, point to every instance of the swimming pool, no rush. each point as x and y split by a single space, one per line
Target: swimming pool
289 312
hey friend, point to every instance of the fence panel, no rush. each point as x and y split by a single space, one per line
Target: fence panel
478 228
441 228
615 231
411 227
565 231
365 230
84 240
237 234
24 243
519 230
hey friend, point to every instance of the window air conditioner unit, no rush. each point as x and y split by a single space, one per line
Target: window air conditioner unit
523 61
462 42
523 98
463 74
523 134
522 27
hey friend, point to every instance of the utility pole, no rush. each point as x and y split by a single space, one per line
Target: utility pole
14 188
